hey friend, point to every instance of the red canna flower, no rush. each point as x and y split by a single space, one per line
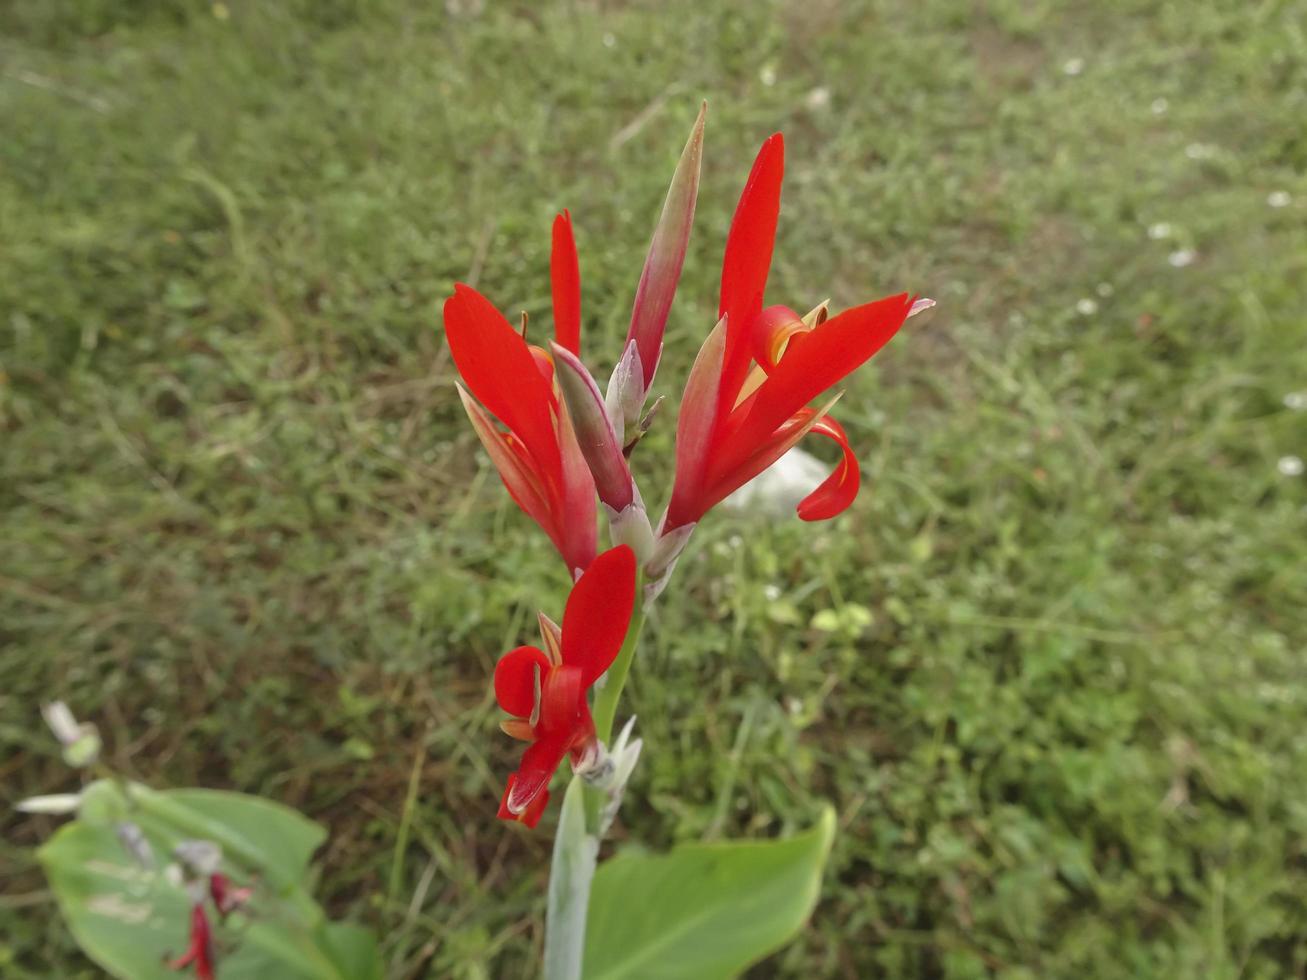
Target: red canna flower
746 402
200 952
538 457
545 690
226 897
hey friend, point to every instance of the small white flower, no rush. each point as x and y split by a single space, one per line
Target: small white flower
610 40
1159 230
772 592
1290 466
1200 151
1182 257
1279 199
818 99
1104 289
1073 66
767 76
81 741
1160 106
61 721
1296 400
1086 307
56 803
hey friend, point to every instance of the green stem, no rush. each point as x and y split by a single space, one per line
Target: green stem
576 845
605 709
570 875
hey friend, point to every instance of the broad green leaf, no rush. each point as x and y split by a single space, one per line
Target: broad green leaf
267 837
704 911
130 918
352 948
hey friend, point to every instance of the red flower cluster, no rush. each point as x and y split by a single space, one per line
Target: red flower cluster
745 403
563 442
545 690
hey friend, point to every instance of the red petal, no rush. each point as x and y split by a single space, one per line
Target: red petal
513 463
531 815
696 425
515 679
812 363
786 437
561 699
748 260
837 490
499 369
598 613
578 532
532 777
565 275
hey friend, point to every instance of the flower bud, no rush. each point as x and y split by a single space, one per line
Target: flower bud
662 267
81 742
594 433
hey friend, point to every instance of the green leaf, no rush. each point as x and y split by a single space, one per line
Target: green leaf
130 918
266 838
353 949
705 910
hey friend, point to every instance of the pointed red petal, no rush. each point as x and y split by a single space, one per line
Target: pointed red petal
598 613
532 777
498 367
837 491
515 679
748 260
512 463
565 275
578 533
813 362
696 426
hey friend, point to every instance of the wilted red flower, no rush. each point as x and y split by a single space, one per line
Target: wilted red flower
545 690
746 402
227 898
200 952
538 457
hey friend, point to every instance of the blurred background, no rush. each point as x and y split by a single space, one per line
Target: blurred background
1049 667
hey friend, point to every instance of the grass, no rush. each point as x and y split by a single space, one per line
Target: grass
1050 666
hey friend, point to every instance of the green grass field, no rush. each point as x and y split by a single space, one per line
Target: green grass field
1049 668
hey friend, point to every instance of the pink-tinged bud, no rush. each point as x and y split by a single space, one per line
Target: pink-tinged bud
625 396
594 433
920 306
662 267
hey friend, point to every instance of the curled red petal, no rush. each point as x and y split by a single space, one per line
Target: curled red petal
813 362
565 276
726 481
839 489
539 762
515 679
531 815
747 262
598 613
